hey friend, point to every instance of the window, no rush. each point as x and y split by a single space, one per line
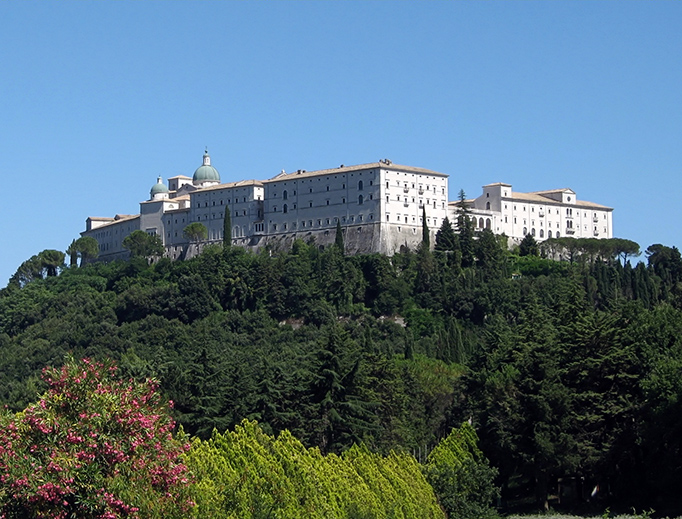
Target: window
360 185
285 208
532 231
525 231
327 202
311 204
285 195
542 233
487 206
549 234
361 200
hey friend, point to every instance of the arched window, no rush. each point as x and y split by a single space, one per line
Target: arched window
361 199
487 206
487 223
480 222
285 195
542 233
532 232
525 231
285 208
360 186
549 234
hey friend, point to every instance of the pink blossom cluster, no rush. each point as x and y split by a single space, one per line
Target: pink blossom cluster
92 431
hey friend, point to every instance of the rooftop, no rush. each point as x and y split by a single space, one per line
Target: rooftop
301 173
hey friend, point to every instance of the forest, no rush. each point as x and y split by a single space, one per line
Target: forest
562 355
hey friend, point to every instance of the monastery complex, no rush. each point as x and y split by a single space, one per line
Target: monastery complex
379 205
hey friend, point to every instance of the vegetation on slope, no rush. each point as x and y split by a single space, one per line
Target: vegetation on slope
565 368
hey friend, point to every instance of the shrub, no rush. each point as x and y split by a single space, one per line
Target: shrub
461 476
92 447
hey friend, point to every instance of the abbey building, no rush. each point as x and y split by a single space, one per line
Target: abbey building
379 206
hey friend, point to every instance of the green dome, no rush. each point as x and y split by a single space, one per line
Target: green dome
159 188
206 172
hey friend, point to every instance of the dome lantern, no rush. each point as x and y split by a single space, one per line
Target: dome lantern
159 190
206 174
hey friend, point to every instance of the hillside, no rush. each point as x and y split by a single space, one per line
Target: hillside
564 368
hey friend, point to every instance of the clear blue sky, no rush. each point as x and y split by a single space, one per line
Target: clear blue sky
99 98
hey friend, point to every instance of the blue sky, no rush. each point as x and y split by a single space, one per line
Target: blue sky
99 98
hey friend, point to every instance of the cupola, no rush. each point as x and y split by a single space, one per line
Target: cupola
159 190
206 175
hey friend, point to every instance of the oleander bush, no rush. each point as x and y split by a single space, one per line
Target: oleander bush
92 447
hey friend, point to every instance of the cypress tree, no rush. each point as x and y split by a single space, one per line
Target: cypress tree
338 241
426 237
227 229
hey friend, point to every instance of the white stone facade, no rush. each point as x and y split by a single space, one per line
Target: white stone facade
379 206
542 214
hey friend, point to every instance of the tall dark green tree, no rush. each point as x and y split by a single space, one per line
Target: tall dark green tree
338 240
426 235
465 229
227 229
446 239
528 246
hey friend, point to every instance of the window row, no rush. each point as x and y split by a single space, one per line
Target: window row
320 222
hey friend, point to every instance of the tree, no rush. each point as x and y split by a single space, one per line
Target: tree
84 247
28 271
338 240
446 239
92 447
195 232
528 246
142 245
45 263
426 235
489 254
465 230
51 261
227 229
625 248
461 476
666 262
